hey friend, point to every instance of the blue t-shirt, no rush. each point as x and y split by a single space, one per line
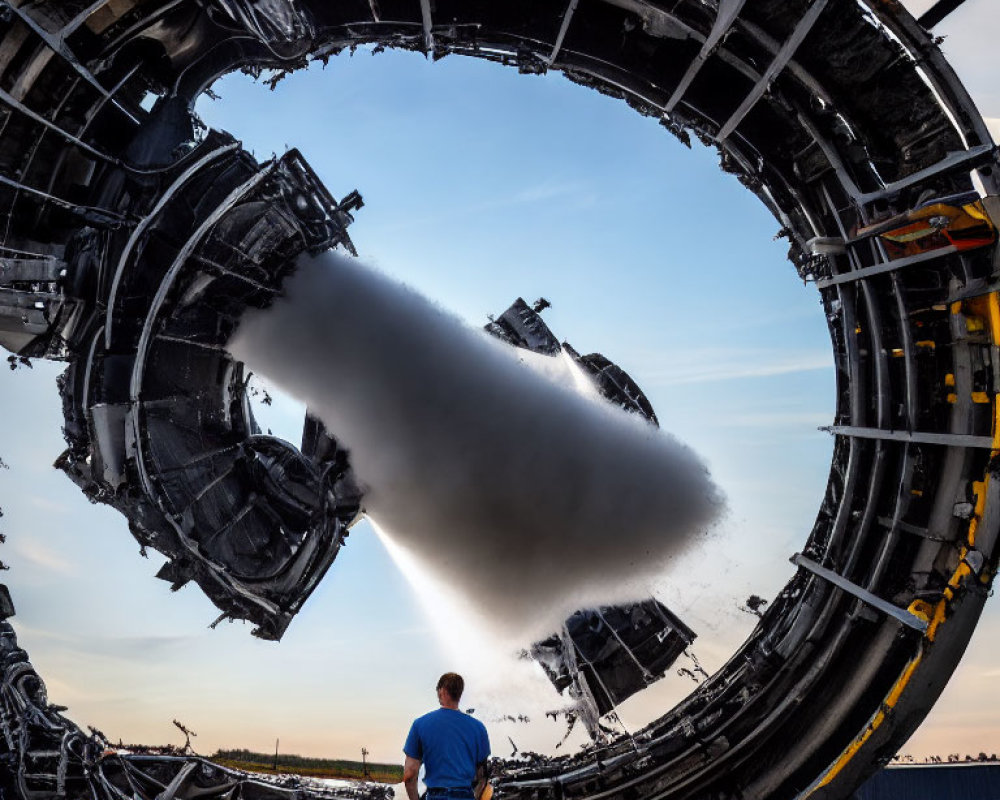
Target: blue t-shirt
451 745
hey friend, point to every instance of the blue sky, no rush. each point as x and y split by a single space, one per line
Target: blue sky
480 185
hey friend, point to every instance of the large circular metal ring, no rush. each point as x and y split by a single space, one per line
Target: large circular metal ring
840 115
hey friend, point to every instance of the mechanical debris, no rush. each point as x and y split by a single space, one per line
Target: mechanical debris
134 240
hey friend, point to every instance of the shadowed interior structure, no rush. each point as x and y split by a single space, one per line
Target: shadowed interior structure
134 239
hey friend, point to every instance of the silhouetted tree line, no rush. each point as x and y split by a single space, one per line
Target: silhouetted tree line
295 763
951 758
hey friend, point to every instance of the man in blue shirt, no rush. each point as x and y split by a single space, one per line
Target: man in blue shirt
452 746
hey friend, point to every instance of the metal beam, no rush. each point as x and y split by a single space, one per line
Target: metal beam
92 213
148 220
915 437
143 24
909 352
425 15
17 105
953 161
166 285
376 11
567 17
728 11
777 65
57 45
937 12
833 159
163 337
70 28
888 266
866 597
941 77
913 530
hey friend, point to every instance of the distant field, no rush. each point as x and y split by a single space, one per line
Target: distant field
308 767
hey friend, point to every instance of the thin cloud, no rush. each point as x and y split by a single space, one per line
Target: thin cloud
709 367
138 648
579 192
41 556
411 630
48 506
551 190
783 420
127 647
38 634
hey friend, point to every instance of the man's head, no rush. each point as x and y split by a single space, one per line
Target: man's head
449 688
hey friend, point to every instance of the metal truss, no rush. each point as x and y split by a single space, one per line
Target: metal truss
842 116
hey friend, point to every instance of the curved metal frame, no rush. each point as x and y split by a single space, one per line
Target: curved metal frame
838 114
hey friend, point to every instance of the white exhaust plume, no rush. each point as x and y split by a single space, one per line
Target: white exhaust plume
527 496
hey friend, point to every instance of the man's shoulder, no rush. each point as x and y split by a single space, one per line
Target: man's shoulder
475 722
469 720
423 719
434 717
474 725
447 716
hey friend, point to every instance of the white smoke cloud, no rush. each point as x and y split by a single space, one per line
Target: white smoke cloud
530 498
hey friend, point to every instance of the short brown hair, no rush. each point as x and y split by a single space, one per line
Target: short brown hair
453 684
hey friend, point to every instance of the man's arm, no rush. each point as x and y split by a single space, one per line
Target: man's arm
411 768
482 781
482 789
